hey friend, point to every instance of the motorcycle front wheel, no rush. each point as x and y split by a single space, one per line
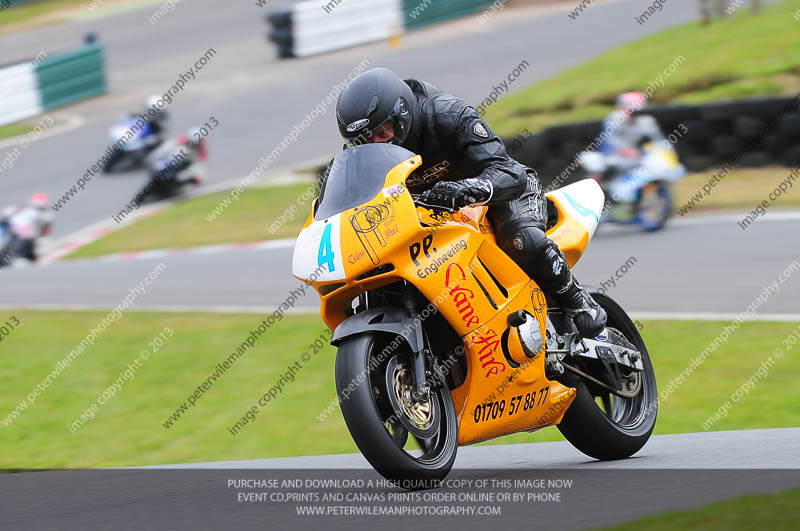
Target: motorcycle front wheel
8 249
121 161
374 385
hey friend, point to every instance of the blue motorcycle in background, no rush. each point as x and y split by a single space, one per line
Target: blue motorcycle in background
640 190
133 153
11 246
7 245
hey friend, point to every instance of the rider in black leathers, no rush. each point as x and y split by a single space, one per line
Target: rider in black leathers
464 163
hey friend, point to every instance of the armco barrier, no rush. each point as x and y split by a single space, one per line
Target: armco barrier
312 27
715 133
29 88
12 3
420 13
316 26
19 93
72 76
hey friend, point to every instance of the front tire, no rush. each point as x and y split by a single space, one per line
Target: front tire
622 426
378 429
8 251
119 162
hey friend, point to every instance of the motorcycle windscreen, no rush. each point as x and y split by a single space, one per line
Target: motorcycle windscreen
130 134
357 175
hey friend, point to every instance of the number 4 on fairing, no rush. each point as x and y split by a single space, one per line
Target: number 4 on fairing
318 251
325 254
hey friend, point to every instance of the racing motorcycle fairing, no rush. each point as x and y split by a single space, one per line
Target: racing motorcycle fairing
367 233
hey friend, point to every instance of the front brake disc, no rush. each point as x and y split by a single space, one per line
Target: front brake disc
418 417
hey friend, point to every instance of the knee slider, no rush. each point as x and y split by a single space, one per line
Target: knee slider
539 257
528 240
522 245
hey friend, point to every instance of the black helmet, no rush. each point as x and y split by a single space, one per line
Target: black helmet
371 100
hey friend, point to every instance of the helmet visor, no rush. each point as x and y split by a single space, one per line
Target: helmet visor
393 130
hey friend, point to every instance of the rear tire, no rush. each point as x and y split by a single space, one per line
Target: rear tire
623 431
367 410
654 206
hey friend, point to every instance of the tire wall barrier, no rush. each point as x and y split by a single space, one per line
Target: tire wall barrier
312 27
35 86
766 128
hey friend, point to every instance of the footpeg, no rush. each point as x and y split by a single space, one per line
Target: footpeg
527 327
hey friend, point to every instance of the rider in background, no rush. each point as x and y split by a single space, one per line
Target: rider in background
184 157
629 131
28 223
157 122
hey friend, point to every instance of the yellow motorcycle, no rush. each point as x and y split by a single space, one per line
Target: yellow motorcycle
441 336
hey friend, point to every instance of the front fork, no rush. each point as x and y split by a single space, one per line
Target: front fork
412 299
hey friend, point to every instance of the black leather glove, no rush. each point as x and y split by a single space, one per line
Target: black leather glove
454 195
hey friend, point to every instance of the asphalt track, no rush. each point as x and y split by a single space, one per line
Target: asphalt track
258 99
700 264
741 449
671 473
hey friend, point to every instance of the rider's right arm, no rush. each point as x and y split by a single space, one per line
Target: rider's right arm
481 153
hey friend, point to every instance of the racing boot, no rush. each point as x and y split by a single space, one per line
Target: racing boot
588 316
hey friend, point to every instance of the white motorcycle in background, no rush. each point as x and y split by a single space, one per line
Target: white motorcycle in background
640 189
133 153
17 235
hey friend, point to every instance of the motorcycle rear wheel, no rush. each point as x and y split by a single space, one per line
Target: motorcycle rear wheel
654 206
375 424
621 426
